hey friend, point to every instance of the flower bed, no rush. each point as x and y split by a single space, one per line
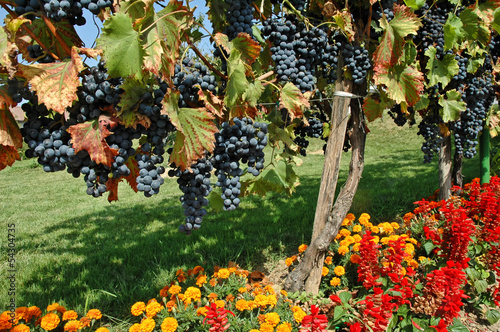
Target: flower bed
417 274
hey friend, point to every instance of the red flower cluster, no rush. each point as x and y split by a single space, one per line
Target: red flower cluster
378 309
217 317
314 322
369 269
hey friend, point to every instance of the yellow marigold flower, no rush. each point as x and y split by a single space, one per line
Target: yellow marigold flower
272 318
272 300
388 228
252 305
343 250
395 225
254 330
350 240
357 238
241 305
338 236
284 292
50 321
20 328
95 314
339 270
148 325
223 273
53 306
413 263
220 303
335 281
357 228
302 248
72 326
169 324
102 329
175 289
70 315
375 239
374 229
193 293
356 247
344 243
409 248
325 271
285 327
242 290
412 240
201 280
365 216
266 327
403 271
368 225
261 300
164 292
212 297
201 311
135 328
422 258
355 258
384 240
345 232
346 222
138 308
328 260
394 237
152 309
298 314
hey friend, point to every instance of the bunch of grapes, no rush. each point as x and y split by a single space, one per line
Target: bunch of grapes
356 58
400 119
239 16
36 52
189 78
429 129
314 129
431 33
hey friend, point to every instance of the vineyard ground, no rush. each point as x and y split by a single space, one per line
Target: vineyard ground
86 253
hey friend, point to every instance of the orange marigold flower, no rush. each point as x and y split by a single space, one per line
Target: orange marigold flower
20 328
413 263
328 260
345 232
94 314
357 238
339 270
53 306
242 290
374 229
22 313
198 269
201 280
298 314
230 298
135 328
261 300
164 291
346 222
152 309
272 318
254 330
302 248
375 239
272 300
148 325
266 327
409 248
70 315
170 304
169 324
138 308
181 277
284 292
269 289
355 258
213 282
60 309
192 293
343 250
407 217
338 236
335 281
34 311
384 240
223 273
350 240
324 271
50 321
351 217
220 303
289 261
5 320
201 311
175 289
72 326
356 247
85 321
102 329
357 228
285 327
212 297
241 305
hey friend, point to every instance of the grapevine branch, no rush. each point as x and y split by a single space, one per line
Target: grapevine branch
53 29
205 61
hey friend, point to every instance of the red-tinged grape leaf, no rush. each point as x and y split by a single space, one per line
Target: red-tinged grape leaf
237 82
10 135
249 48
195 132
405 22
163 40
65 30
112 189
452 106
222 40
134 173
90 136
373 108
212 103
403 83
244 110
121 47
344 21
90 52
217 13
293 100
5 98
8 155
440 71
55 83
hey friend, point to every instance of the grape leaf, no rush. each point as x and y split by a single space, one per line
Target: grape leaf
129 101
8 155
244 109
282 176
237 82
470 23
293 100
440 71
112 189
248 48
496 20
216 201
404 83
253 92
195 131
212 103
222 40
414 4
452 106
257 186
65 30
453 32
217 13
3 47
5 98
344 21
423 103
90 136
277 134
121 47
134 173
10 135
55 83
373 108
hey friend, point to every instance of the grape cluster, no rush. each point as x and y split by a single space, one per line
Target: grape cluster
239 16
36 52
57 10
189 78
429 129
242 142
314 129
431 33
195 185
149 179
400 119
356 58
329 59
384 7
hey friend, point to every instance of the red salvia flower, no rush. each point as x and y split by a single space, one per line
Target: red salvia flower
217 318
314 322
369 269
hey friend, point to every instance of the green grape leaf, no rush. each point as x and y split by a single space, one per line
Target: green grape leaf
470 22
237 82
55 83
286 135
65 30
423 103
414 4
91 137
293 100
496 20
4 43
195 131
258 186
253 92
283 175
129 102
404 83
405 22
212 103
493 316
216 201
373 108
248 48
217 13
121 47
10 135
440 71
258 34
452 31
452 106
8 155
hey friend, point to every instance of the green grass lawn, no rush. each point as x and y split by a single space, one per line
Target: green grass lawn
84 252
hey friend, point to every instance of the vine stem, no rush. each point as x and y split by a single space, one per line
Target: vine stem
53 29
266 75
28 30
205 61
